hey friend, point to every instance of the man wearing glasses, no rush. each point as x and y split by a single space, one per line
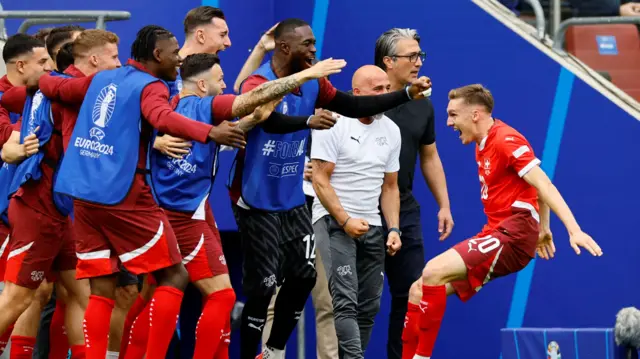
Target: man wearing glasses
398 53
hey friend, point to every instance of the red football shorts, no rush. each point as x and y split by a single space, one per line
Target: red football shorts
4 247
142 240
497 253
39 245
200 244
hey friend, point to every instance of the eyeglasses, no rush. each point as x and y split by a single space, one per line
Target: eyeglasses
414 57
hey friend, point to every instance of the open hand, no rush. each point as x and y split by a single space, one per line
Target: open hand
585 241
173 147
546 248
228 133
325 68
267 41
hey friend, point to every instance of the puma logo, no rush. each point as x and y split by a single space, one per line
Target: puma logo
356 139
256 327
423 308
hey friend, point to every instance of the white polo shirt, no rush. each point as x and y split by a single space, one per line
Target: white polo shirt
362 155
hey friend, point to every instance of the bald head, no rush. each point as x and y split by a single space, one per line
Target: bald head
370 80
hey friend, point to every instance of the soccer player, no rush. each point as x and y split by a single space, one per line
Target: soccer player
25 57
52 336
206 32
266 191
59 36
355 175
182 188
516 195
398 53
35 197
124 223
326 339
92 51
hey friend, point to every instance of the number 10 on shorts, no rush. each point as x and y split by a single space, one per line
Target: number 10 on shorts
484 245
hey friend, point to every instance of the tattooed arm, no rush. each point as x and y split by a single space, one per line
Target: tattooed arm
259 115
269 91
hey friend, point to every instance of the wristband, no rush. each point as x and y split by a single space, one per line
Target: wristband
394 229
309 120
345 222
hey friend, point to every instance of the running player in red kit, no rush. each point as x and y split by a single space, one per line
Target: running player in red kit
516 195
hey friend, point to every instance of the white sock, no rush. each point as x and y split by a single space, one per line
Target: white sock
112 355
272 353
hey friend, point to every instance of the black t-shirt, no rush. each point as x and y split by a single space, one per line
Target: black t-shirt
417 128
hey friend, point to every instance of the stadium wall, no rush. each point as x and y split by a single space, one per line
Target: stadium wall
587 145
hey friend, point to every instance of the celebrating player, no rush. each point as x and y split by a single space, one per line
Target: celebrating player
269 202
206 32
182 187
124 223
516 195
23 56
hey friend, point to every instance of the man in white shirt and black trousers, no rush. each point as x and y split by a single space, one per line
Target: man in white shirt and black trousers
355 172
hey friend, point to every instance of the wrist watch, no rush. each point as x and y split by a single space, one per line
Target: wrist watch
394 229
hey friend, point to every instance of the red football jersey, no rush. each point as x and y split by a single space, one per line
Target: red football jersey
503 157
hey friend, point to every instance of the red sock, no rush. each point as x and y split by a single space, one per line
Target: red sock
212 323
138 336
22 347
78 352
225 340
59 348
4 338
163 317
137 308
432 305
411 332
96 326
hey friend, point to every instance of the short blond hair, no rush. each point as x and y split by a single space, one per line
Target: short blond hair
475 94
89 39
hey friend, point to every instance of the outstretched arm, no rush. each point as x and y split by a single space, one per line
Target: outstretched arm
364 106
157 111
67 90
266 44
269 91
521 159
550 195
